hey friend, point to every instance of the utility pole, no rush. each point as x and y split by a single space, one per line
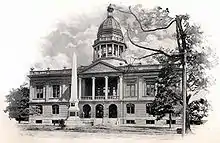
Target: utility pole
182 50
183 60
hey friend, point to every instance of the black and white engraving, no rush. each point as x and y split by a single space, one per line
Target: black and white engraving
144 72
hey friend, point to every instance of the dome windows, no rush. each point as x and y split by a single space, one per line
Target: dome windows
108 50
110 41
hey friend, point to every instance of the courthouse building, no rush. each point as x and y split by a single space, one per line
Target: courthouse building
109 90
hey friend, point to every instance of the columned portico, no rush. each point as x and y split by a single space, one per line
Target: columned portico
120 87
80 88
93 88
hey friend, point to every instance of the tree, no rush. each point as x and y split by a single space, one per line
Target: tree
18 107
197 81
190 44
168 96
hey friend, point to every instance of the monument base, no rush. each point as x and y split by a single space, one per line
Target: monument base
73 122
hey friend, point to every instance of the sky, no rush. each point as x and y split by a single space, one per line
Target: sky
26 24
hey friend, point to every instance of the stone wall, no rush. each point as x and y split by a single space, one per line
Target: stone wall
47 116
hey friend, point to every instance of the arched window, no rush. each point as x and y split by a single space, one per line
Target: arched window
55 109
86 111
130 108
99 111
148 107
112 111
39 109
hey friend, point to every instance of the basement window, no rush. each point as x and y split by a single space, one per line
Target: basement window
55 121
38 121
172 122
130 121
150 121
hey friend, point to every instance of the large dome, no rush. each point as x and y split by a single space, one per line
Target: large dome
109 44
110 26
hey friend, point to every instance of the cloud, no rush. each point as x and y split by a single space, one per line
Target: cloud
79 33
71 45
56 62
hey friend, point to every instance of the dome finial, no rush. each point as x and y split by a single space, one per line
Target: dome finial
110 10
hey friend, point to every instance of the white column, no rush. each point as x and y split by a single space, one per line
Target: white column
61 90
101 48
44 92
113 49
106 87
140 87
121 86
118 88
50 91
106 50
35 92
31 92
93 88
80 89
118 51
155 89
144 88
47 92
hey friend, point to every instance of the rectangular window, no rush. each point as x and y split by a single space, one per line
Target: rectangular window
172 122
130 121
120 50
150 89
56 91
39 91
109 49
148 107
72 113
150 121
39 109
38 121
69 88
130 90
115 49
103 50
55 121
130 108
55 109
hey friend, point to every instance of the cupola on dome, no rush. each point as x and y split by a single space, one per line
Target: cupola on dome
109 44
110 26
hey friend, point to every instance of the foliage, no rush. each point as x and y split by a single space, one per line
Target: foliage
62 123
200 58
198 109
18 103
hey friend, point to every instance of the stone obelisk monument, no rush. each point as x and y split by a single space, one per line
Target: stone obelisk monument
73 112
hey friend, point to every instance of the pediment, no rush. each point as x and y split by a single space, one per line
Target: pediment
100 67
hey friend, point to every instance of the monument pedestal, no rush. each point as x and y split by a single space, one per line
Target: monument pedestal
73 120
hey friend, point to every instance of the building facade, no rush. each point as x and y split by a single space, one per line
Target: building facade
110 91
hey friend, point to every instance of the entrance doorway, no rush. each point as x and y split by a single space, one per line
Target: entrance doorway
99 111
113 111
86 111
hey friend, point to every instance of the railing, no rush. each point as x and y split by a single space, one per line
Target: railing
99 97
107 39
64 71
86 97
113 97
